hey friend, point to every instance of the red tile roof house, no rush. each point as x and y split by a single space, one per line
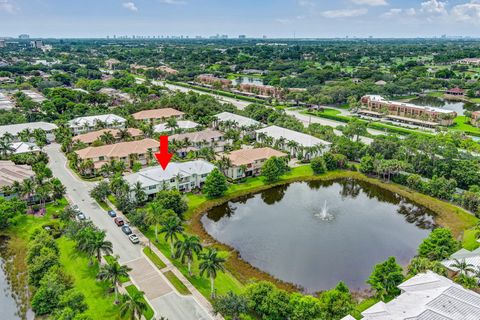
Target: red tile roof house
455 92
155 116
91 137
128 152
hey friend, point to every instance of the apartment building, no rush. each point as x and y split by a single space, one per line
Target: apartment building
15 129
407 112
141 151
158 115
199 139
183 176
90 137
92 123
248 162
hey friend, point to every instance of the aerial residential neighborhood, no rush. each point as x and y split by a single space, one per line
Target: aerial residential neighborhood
240 160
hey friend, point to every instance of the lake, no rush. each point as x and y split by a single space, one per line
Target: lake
8 305
282 231
457 106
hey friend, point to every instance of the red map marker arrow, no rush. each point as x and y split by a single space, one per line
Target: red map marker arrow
163 157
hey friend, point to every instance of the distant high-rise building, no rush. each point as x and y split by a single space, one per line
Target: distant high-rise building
242 36
2 43
37 44
24 36
224 36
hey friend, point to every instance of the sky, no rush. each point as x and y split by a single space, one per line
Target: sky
253 18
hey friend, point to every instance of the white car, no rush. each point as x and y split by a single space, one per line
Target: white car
133 238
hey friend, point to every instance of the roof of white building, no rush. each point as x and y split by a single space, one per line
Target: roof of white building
10 172
14 129
302 139
470 257
428 296
378 98
155 175
24 147
182 124
240 120
91 120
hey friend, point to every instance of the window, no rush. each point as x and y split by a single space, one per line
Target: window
101 158
152 187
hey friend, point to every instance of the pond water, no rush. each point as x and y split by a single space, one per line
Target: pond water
282 231
457 106
8 305
247 80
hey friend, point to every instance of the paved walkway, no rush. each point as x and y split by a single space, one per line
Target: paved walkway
161 295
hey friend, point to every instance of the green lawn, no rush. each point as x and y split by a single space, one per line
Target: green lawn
100 303
104 206
470 239
181 288
148 313
462 124
154 258
362 306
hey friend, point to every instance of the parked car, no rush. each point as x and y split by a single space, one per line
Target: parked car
119 221
112 213
126 229
81 216
133 238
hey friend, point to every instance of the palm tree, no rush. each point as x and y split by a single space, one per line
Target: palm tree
211 263
28 187
7 136
43 192
172 228
113 272
187 248
86 166
124 134
149 155
154 216
133 157
171 124
463 267
140 195
107 137
132 306
5 148
99 245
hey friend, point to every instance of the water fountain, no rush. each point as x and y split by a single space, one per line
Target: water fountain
323 214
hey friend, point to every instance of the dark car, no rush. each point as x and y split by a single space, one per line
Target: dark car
126 229
112 213
119 221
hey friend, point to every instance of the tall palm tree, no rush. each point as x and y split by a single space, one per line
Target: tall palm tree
99 245
172 229
140 195
211 264
171 124
187 248
7 136
28 187
124 134
132 306
463 267
107 137
112 273
154 216
5 148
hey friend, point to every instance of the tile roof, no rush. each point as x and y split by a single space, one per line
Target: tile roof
155 175
247 156
95 135
14 129
10 172
91 120
121 149
428 296
240 120
198 136
302 139
182 124
157 114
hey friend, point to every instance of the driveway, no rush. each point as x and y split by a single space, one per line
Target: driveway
158 291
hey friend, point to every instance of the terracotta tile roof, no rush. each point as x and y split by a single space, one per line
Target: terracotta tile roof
122 149
95 135
247 156
10 172
157 114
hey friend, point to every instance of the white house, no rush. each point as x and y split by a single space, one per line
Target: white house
181 124
183 176
293 141
24 147
87 124
428 296
470 257
15 129
240 121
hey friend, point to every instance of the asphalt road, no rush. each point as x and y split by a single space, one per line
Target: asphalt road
158 290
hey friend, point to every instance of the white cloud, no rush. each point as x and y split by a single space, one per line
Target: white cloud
434 7
372 3
306 3
396 12
130 6
345 13
468 12
7 6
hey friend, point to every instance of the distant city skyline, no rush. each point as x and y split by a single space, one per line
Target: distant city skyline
272 18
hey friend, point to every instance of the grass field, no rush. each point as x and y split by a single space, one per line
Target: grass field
181 288
100 304
154 258
462 124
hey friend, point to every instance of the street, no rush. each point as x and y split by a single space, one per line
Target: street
160 293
